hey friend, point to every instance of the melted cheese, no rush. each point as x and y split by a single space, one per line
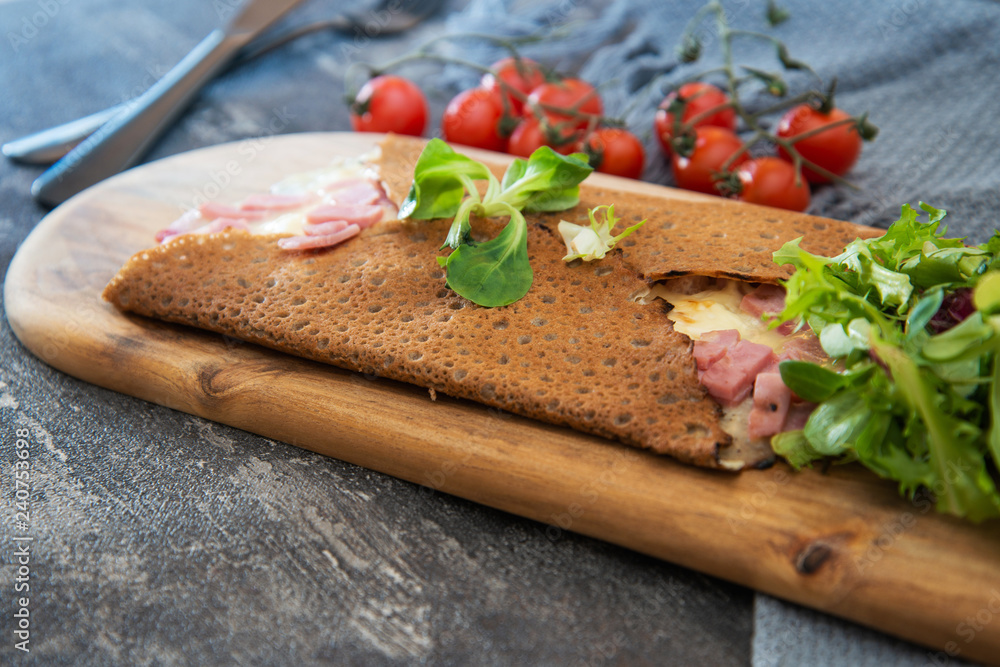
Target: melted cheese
716 309
287 223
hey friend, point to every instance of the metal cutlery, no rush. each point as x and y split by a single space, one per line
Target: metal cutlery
395 16
120 142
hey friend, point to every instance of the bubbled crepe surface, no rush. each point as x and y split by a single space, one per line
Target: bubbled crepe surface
577 350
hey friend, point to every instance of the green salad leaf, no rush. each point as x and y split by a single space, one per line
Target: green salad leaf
496 272
441 178
595 241
911 320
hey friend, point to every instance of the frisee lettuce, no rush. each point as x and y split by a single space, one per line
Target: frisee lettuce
497 272
595 241
913 404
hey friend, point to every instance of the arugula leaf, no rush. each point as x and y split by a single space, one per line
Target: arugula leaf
880 453
962 484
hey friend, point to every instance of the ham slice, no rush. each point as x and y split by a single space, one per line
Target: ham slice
345 184
271 202
362 215
213 210
356 194
314 242
190 221
222 224
194 222
725 337
771 400
325 228
707 353
730 379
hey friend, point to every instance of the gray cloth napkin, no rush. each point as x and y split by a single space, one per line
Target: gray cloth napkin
927 73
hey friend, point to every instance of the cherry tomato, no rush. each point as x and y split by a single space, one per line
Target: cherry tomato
472 118
389 103
523 76
529 136
567 94
712 147
700 98
836 149
770 181
615 151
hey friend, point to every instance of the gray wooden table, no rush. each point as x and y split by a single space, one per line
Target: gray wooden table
160 538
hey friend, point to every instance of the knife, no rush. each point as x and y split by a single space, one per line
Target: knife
122 141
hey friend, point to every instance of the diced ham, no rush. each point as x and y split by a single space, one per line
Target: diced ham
271 202
325 228
362 215
731 378
213 210
707 353
725 337
771 400
798 415
359 193
222 224
313 242
772 367
769 299
725 383
752 357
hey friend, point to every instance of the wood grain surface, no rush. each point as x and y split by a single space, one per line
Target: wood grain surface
842 541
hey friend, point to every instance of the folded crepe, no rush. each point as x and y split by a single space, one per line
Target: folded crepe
578 350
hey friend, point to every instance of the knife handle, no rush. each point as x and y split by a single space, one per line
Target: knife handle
119 143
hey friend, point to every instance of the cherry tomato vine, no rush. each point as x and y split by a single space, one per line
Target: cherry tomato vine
521 105
818 140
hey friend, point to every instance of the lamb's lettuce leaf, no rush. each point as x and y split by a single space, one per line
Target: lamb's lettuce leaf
496 272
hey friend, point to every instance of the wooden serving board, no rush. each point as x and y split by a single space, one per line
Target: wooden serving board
843 542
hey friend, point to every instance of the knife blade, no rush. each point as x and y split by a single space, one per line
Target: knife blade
123 140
